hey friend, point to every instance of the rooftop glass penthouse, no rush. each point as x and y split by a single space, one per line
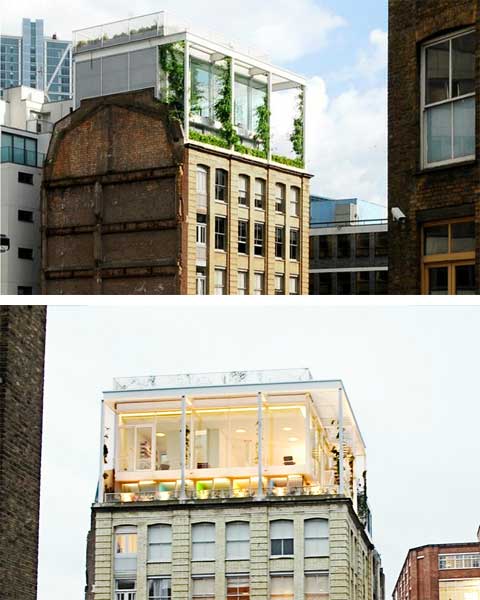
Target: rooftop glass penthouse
222 96
230 435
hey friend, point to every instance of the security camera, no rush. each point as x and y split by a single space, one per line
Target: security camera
398 215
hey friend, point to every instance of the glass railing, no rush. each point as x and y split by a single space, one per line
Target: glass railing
19 156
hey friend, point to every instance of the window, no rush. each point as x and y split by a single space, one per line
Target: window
449 258
202 230
25 178
243 189
294 285
381 243
202 187
344 284
260 193
325 246
316 586
238 587
242 283
279 242
363 283
221 179
243 237
316 537
449 99
201 281
343 246
281 587
203 588
459 561
25 253
160 543
281 538
294 201
460 589
220 280
23 290
259 284
249 96
259 239
159 589
19 150
125 589
362 245
205 88
26 216
294 244
125 549
280 193
238 541
220 233
279 284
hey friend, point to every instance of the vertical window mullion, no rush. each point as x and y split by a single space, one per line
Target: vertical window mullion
450 94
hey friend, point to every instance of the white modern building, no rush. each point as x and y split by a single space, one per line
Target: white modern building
26 121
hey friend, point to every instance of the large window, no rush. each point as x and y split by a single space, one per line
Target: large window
242 283
205 88
325 246
203 588
159 588
125 589
125 549
316 537
381 283
249 96
344 246
363 283
279 242
243 190
260 193
238 541
220 233
203 541
344 284
202 187
449 258
221 184
220 282
279 284
294 244
201 281
362 245
316 586
381 244
280 194
459 561
449 99
294 201
460 589
281 587
243 237
238 587
281 538
202 230
19 150
259 284
160 543
259 239
294 285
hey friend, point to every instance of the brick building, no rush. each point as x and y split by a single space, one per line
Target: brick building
231 486
150 188
22 342
440 572
433 146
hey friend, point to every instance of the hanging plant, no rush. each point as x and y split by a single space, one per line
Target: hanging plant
297 138
171 60
263 127
224 105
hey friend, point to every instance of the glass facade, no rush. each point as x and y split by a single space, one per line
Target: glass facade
20 150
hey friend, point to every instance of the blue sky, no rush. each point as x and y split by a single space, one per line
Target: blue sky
340 45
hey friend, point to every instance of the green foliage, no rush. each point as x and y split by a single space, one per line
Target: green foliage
195 95
250 151
297 137
291 162
224 105
263 128
213 140
171 59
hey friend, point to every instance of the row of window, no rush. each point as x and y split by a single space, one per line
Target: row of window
260 192
221 237
243 283
346 246
237 539
349 283
459 561
316 587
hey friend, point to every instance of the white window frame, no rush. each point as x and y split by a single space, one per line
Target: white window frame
284 539
307 536
202 197
280 198
256 289
243 239
325 595
201 234
243 190
125 594
162 597
294 285
255 244
424 107
223 186
284 576
200 596
297 246
163 544
220 286
242 289
238 595
295 193
234 540
201 279
260 193
460 560
279 284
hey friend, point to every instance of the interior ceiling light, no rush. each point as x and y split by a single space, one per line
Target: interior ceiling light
161 434
287 429
241 431
293 439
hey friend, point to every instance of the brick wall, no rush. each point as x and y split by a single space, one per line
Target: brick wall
22 342
449 191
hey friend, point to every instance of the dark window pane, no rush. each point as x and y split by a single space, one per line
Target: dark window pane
276 547
259 237
463 237
325 249
220 233
325 284
344 284
363 283
243 237
381 243
287 547
463 65
465 280
221 185
436 240
438 281
279 242
362 245
437 72
344 246
381 283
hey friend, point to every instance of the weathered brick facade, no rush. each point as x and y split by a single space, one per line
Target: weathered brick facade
423 194
420 575
22 343
119 206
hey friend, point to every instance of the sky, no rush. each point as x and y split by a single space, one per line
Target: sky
339 45
409 372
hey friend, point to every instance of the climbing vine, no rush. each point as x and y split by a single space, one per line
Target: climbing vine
224 105
171 59
263 127
297 137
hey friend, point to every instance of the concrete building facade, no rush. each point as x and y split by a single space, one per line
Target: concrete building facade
433 146
22 348
229 486
440 572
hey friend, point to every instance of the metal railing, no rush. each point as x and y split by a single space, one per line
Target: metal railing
359 223
19 156
192 494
